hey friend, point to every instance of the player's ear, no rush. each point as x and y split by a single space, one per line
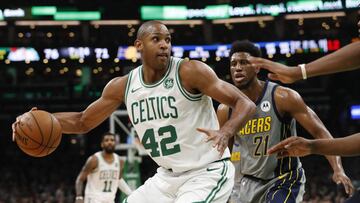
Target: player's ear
138 44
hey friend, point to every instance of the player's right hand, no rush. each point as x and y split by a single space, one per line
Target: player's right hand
17 121
292 147
220 140
278 71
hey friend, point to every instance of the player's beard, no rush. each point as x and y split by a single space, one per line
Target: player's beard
109 150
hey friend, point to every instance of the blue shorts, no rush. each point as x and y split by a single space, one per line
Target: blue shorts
289 188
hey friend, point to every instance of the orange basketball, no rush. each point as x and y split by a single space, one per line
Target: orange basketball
38 133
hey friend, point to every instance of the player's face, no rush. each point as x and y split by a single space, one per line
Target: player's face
242 73
108 143
155 46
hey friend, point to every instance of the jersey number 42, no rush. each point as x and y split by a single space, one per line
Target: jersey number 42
150 142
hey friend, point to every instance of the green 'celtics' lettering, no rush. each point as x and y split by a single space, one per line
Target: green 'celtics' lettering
153 108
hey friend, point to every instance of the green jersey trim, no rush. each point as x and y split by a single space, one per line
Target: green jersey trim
187 95
127 87
158 82
219 184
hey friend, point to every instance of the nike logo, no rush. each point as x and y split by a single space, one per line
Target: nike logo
212 169
134 90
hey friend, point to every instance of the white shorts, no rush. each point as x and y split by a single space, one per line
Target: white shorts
96 200
211 184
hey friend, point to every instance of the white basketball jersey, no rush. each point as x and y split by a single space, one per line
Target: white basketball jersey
166 116
102 184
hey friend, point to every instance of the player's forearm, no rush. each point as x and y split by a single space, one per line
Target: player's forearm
347 146
243 111
72 122
323 133
79 187
344 59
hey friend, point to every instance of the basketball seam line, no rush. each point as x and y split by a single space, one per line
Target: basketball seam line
40 145
42 136
54 140
52 125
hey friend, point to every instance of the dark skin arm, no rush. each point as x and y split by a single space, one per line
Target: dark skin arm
298 146
199 77
82 122
291 104
89 166
122 163
223 115
344 59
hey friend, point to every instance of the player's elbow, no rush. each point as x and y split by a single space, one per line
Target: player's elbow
83 125
84 128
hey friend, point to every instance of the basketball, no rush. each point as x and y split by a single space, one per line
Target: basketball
38 133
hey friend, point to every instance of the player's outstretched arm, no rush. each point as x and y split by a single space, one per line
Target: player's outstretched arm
291 103
199 77
82 122
89 166
292 147
298 146
344 59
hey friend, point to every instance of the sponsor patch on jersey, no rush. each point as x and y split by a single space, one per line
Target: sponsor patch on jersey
265 106
169 83
235 156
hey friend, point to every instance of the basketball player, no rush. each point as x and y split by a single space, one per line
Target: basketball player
103 175
259 177
345 59
168 102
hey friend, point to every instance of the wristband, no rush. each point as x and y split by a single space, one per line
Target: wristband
303 71
79 198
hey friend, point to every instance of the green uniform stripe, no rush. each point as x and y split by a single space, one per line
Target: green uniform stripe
187 95
160 81
219 184
128 86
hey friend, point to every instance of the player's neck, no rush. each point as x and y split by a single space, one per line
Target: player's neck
152 75
254 90
107 156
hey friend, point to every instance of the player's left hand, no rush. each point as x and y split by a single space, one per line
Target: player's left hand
219 138
340 177
17 121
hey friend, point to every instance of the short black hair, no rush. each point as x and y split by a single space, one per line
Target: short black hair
245 46
143 28
106 134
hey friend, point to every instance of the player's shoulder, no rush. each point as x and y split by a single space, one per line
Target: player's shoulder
282 92
193 69
286 99
92 162
223 108
191 64
119 81
115 88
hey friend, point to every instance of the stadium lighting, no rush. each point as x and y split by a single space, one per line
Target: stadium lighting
314 15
